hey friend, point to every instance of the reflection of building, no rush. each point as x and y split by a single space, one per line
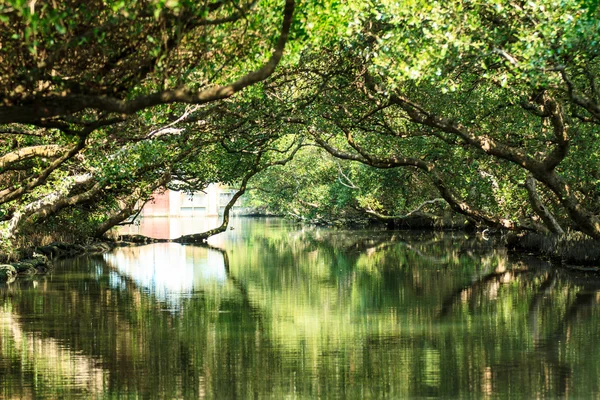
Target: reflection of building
211 202
169 271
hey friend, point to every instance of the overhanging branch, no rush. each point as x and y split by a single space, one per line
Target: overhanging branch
53 106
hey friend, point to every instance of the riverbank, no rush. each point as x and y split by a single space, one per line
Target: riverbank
39 259
573 251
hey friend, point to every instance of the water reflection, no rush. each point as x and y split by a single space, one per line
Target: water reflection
64 370
279 311
168 271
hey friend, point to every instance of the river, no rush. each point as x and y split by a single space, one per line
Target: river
272 309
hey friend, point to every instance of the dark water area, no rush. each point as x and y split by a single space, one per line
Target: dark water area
273 310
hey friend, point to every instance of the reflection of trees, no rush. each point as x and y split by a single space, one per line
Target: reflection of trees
255 312
490 348
581 308
556 304
550 341
309 314
129 332
487 284
360 305
545 289
56 363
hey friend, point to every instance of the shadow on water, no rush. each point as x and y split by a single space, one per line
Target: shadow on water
278 311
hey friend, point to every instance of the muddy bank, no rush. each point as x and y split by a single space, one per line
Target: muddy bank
39 260
571 252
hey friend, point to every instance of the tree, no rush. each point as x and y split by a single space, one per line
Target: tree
472 96
89 86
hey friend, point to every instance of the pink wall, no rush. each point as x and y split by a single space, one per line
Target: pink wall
159 206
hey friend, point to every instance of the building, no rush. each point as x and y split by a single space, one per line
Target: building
209 203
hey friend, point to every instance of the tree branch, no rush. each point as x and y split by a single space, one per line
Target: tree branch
26 153
429 169
129 207
389 217
539 208
52 106
13 193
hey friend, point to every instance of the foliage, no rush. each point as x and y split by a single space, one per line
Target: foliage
475 96
104 102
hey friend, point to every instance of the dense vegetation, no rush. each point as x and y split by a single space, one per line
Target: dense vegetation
327 110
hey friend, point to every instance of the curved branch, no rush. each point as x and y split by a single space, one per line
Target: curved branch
13 193
407 215
430 170
583 102
129 207
487 144
65 202
561 137
202 237
26 153
539 208
65 105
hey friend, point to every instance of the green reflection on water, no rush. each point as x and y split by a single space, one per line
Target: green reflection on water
279 311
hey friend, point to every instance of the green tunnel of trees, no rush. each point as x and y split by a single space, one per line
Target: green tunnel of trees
323 110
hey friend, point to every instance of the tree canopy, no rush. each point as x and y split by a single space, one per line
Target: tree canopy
489 110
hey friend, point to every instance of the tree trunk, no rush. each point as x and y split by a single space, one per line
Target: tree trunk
115 219
46 202
202 237
26 153
539 208
585 221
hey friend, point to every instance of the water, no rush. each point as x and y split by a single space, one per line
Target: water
272 310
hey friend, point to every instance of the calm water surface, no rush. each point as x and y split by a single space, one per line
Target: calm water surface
276 311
